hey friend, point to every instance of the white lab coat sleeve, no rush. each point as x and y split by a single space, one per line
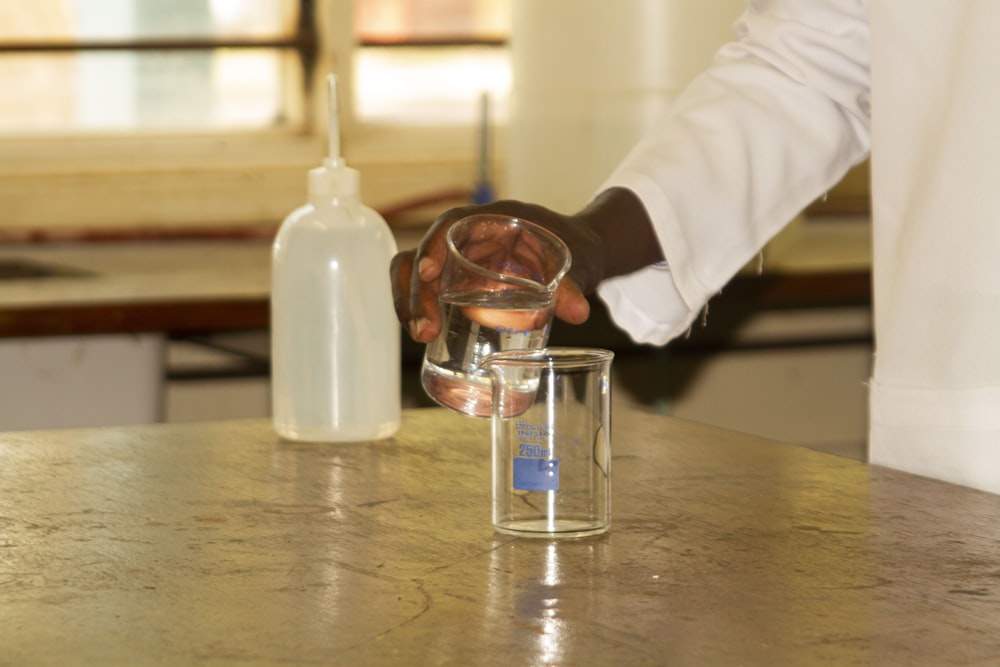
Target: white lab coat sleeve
778 118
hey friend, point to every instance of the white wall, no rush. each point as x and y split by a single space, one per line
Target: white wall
589 76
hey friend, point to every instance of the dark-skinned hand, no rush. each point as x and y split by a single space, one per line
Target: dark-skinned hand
612 236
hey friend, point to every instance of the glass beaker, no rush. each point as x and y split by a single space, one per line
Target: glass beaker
497 294
551 441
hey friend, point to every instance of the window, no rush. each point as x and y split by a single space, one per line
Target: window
202 112
115 66
430 62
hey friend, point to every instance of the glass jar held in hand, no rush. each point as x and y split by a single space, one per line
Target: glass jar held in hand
612 236
497 293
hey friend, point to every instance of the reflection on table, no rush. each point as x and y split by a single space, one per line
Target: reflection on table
218 543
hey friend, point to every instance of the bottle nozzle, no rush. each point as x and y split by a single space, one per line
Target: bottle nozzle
333 178
334 158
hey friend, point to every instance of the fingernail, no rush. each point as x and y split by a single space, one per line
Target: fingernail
418 327
426 268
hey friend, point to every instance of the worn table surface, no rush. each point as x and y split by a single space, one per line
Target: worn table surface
219 543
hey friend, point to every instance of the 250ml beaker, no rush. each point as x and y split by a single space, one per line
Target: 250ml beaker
551 441
497 294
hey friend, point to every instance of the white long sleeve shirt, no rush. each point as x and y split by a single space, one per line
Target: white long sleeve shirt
807 90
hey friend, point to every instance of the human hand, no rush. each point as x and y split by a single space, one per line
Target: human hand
610 237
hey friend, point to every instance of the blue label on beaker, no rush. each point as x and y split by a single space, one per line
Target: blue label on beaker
536 474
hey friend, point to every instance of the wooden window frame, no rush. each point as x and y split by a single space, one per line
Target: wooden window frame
61 186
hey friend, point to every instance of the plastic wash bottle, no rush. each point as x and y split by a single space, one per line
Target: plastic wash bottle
335 366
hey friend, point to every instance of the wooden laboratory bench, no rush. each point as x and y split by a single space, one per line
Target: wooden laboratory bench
171 286
218 543
191 284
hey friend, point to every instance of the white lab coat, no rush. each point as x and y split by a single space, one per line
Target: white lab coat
802 95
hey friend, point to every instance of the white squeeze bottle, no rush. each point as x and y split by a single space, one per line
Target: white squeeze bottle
335 364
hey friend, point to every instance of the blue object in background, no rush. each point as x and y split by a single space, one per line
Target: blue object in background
484 192
536 474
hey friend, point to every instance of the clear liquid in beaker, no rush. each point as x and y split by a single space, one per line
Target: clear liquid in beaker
475 325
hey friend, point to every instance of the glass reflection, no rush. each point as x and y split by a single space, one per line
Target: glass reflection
549 588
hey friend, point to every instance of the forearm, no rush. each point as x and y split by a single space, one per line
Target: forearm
628 241
780 116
